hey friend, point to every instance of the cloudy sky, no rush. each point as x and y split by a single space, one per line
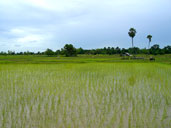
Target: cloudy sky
35 25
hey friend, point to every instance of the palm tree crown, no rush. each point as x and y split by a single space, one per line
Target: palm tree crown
149 37
132 32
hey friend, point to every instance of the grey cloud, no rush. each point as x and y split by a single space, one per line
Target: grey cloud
88 24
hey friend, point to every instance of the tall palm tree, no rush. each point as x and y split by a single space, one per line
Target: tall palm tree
149 38
132 32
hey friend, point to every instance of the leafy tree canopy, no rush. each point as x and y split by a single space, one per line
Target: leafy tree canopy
132 32
49 52
69 50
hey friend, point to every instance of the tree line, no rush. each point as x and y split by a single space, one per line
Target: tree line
70 50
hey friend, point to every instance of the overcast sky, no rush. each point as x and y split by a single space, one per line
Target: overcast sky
35 25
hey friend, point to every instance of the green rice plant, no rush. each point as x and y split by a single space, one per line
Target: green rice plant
85 95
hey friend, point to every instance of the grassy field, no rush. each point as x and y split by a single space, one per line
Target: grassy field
40 59
85 91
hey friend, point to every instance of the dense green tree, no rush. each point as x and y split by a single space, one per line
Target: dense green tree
132 32
144 51
80 51
123 51
155 49
118 50
69 50
149 38
134 50
49 52
113 50
57 52
167 49
109 51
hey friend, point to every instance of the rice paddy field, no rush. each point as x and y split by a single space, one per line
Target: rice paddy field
91 94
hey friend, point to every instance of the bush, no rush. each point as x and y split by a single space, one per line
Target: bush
69 50
49 52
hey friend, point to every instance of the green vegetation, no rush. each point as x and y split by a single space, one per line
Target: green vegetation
85 91
85 95
105 51
40 59
69 50
49 52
